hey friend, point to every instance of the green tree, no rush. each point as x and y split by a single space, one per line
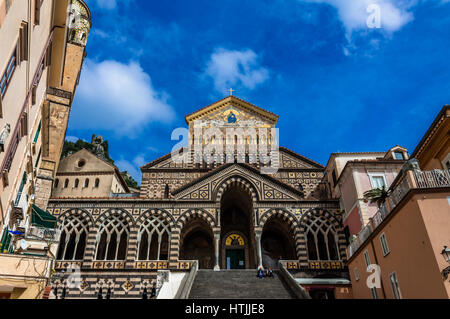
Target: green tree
377 195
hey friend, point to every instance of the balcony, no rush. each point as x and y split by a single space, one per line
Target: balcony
413 179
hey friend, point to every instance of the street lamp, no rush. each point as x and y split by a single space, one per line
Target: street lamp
446 254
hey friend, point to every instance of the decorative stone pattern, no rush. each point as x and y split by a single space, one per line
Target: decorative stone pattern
179 195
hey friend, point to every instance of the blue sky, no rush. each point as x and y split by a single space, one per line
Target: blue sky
337 85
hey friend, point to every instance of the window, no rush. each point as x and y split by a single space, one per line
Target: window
22 185
97 182
377 180
384 245
356 274
112 239
333 175
23 42
81 163
37 11
86 182
395 285
77 181
73 238
446 162
153 239
66 183
367 258
399 156
166 191
56 183
8 73
374 293
321 240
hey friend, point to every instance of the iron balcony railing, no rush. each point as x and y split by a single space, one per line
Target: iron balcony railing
419 180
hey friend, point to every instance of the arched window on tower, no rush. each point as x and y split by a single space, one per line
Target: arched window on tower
112 238
154 239
97 182
73 238
66 183
321 238
77 181
86 182
166 191
56 183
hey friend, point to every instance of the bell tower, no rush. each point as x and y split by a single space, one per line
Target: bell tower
68 53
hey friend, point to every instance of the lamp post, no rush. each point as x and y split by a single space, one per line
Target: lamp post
446 254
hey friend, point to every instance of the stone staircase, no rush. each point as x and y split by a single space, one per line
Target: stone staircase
238 284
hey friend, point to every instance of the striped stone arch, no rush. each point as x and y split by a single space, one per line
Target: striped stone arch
229 182
286 216
156 212
78 212
314 213
114 212
133 242
182 221
196 213
69 223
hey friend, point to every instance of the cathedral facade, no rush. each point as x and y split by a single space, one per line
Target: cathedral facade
226 212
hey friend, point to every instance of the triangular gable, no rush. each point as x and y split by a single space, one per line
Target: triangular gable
290 159
237 102
93 162
206 187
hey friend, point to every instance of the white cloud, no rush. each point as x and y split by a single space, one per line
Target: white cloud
118 97
132 167
353 13
72 139
230 68
107 4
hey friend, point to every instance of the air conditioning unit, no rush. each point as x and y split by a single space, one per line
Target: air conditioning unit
41 233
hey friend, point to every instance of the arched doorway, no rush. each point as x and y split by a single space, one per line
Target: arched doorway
197 243
237 233
277 242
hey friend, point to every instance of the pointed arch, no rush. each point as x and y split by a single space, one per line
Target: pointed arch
154 235
114 228
196 213
287 217
323 238
75 225
235 180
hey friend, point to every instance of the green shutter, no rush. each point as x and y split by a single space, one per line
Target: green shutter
37 132
6 240
41 218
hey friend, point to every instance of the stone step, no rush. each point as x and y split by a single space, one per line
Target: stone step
238 284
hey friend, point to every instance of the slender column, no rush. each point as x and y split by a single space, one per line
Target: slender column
258 234
216 250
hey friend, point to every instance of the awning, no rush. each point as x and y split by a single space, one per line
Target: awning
322 281
41 218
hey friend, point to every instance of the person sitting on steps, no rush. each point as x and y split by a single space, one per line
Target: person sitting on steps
269 272
260 273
